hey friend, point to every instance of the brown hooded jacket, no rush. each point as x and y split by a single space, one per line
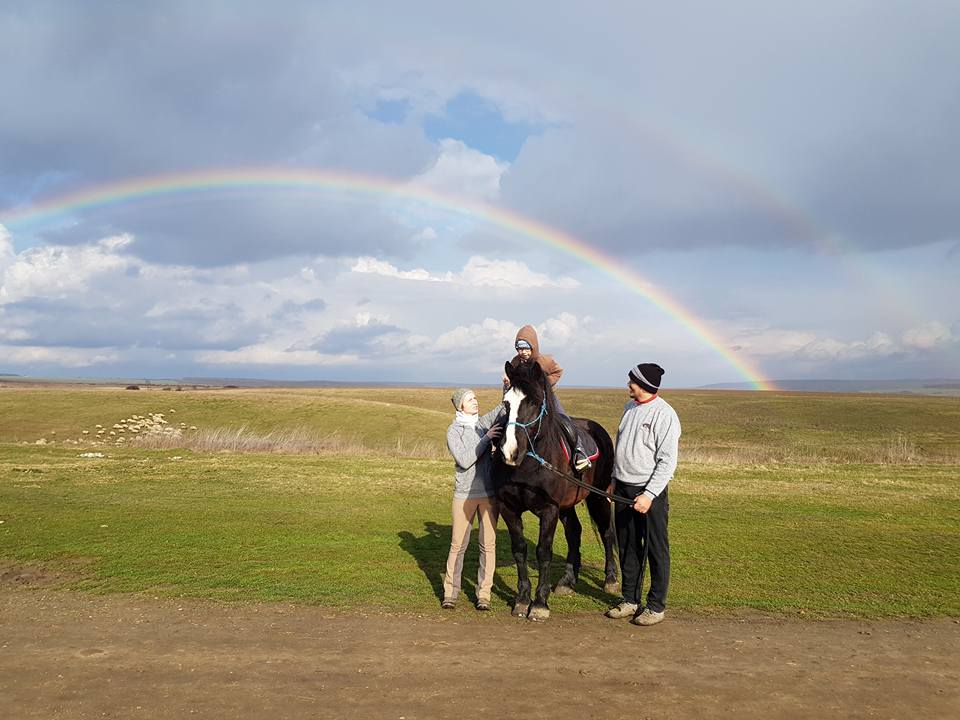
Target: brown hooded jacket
550 368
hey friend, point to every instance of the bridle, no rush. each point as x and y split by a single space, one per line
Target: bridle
532 453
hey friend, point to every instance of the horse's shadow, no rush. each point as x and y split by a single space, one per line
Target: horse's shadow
431 548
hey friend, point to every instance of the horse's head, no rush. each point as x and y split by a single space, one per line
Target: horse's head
525 403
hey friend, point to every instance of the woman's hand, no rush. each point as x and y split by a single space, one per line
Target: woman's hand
494 433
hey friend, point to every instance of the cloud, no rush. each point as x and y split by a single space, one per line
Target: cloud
54 272
461 171
359 337
478 272
56 357
808 345
928 336
98 296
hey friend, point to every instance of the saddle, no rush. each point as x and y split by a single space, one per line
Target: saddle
586 440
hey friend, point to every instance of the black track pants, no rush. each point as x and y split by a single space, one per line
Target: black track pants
633 529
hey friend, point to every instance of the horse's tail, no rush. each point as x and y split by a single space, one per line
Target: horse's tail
602 473
602 511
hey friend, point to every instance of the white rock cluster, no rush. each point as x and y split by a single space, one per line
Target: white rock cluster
149 425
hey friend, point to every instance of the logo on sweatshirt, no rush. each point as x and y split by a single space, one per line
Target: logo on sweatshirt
646 426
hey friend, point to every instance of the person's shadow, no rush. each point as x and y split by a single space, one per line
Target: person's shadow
430 551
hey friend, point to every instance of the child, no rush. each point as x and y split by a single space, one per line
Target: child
527 346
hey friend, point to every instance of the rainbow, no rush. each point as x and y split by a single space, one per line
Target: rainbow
312 180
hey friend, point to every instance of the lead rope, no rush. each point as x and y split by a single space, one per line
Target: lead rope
545 463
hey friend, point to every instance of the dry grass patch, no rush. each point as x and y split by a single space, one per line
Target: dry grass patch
288 442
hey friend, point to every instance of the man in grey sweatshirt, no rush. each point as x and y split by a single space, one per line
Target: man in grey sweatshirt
644 463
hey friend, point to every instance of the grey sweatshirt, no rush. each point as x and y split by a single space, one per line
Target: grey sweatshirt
647 444
470 450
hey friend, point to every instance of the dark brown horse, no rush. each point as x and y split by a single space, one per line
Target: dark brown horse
533 434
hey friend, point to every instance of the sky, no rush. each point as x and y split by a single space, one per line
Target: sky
741 192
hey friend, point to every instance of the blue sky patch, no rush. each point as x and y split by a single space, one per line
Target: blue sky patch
392 112
478 123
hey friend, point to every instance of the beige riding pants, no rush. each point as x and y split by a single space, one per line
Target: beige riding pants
464 510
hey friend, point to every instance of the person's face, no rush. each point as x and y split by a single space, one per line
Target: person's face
525 353
637 392
470 405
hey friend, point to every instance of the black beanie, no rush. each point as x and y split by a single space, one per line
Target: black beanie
647 376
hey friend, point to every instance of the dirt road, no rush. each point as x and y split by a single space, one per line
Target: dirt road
72 655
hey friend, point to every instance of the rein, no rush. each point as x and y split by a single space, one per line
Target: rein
546 464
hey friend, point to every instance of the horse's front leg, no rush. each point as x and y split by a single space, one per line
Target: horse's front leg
548 527
518 544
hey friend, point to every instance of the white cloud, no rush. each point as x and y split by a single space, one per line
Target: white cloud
463 172
928 335
53 272
7 255
57 356
478 272
877 345
478 338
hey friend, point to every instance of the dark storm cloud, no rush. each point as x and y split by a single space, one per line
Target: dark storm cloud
101 92
43 323
248 227
358 340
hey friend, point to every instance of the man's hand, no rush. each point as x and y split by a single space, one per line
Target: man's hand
642 503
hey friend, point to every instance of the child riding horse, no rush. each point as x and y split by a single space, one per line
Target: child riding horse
532 472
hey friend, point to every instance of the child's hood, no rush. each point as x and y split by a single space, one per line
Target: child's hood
528 333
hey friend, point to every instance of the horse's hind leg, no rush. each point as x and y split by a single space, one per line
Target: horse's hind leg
518 544
601 512
572 530
548 528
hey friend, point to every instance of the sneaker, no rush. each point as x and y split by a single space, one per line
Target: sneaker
623 610
448 604
648 617
483 605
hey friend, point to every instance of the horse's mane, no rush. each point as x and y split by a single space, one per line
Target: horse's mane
531 379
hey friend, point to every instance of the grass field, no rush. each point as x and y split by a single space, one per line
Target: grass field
827 505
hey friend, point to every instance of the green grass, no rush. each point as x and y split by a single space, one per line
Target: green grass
822 535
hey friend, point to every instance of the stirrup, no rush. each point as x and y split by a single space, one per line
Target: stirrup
580 461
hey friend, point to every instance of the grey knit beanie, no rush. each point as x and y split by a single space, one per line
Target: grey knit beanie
458 395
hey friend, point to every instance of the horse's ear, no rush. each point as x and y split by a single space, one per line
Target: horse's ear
508 371
535 370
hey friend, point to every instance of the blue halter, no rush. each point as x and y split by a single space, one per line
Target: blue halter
539 421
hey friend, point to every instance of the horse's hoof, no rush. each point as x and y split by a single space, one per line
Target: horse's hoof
611 588
538 613
520 611
563 590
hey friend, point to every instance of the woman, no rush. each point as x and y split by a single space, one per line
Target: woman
469 439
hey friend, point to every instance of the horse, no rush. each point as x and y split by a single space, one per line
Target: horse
528 475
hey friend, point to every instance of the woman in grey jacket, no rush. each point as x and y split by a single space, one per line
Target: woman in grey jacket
469 439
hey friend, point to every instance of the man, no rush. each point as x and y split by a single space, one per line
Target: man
644 463
527 345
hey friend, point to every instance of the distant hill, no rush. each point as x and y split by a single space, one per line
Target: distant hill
935 386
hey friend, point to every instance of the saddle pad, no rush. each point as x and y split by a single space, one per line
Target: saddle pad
588 444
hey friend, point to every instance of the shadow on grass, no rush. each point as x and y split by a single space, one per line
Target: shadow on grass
430 551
